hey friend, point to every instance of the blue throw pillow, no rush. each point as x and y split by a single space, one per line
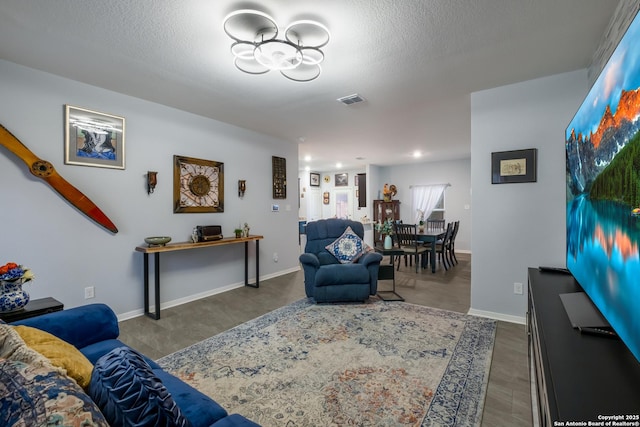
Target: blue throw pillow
349 247
129 394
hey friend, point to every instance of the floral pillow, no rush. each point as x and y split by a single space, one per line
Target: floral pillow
36 395
349 247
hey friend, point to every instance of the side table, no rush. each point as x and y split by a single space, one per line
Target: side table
388 272
34 308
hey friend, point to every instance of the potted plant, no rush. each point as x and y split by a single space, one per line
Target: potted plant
238 232
385 229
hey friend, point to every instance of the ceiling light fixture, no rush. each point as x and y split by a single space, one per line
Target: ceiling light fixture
258 50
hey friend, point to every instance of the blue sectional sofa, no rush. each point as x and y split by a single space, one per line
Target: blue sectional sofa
93 329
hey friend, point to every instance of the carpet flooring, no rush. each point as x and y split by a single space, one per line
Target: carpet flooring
382 364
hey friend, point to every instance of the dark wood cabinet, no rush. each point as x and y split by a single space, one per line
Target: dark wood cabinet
382 211
576 377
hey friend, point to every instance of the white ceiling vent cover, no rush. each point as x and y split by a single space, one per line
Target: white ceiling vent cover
351 99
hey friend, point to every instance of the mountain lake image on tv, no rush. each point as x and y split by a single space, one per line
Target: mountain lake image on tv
603 191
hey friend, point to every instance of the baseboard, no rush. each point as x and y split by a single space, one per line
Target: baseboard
195 297
497 316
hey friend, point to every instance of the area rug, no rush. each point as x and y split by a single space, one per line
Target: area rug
372 364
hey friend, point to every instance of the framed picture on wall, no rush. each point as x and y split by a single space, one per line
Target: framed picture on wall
513 166
314 179
93 139
342 179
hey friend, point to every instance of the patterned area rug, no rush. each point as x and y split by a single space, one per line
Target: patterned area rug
373 364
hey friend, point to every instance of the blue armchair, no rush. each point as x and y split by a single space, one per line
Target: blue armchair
326 279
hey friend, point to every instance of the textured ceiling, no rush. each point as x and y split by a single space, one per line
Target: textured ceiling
414 61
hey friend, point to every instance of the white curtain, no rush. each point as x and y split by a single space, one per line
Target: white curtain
424 198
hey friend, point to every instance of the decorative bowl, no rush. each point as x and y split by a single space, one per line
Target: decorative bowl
157 240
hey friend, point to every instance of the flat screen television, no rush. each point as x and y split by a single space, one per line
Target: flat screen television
602 144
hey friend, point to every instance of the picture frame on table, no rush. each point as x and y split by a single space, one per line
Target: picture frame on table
514 166
92 138
314 179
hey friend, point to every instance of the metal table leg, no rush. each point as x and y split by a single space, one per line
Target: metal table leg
155 315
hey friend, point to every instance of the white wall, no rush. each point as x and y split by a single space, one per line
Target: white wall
311 206
68 252
457 196
516 226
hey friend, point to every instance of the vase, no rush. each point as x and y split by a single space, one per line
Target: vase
12 297
388 243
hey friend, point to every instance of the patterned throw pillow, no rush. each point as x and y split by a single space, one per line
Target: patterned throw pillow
37 395
129 393
34 392
349 247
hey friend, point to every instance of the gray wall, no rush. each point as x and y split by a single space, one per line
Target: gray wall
68 252
516 226
457 196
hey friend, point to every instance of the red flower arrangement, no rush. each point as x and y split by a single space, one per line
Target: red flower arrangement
12 272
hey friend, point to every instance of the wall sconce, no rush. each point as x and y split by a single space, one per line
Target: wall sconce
152 181
242 187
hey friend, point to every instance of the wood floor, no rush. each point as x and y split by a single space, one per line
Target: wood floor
508 400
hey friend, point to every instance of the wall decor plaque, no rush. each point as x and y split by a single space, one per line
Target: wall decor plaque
198 185
279 172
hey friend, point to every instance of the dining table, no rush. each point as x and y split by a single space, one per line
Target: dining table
431 236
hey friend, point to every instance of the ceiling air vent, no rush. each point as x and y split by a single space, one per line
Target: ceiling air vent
351 99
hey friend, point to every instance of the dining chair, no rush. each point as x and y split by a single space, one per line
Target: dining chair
435 224
407 238
452 242
442 246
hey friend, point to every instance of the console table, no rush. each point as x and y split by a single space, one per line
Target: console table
577 377
172 247
34 308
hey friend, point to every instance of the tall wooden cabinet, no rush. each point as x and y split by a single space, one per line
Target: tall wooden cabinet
384 210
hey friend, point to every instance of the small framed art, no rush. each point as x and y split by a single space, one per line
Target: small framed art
514 166
314 179
342 180
93 139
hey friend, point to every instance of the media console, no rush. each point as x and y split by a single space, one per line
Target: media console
577 378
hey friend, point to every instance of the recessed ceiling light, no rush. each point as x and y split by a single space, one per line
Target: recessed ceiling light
307 158
417 154
307 168
338 165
